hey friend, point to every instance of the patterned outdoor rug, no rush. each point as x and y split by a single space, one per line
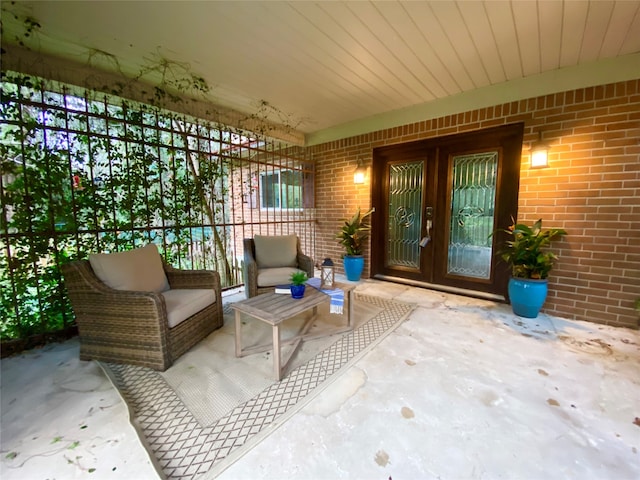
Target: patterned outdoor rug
196 427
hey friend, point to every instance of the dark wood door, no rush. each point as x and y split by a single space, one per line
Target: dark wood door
437 203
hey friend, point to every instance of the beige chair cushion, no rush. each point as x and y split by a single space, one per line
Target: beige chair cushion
184 303
276 251
139 270
270 277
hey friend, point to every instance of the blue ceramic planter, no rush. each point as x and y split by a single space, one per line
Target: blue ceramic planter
527 296
353 266
297 291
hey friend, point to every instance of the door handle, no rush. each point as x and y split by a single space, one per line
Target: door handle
426 239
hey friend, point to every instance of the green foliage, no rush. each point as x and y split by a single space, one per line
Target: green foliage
80 176
525 254
298 278
354 232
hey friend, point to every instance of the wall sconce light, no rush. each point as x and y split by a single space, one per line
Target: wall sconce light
359 174
539 153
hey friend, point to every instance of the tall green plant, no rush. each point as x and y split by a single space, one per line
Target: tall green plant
354 232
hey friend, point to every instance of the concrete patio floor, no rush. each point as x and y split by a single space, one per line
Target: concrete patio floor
462 389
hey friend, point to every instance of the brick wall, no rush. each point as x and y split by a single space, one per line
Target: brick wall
591 188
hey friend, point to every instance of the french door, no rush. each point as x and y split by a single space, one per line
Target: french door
438 201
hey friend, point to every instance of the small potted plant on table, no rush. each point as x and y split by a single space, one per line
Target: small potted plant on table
298 280
530 266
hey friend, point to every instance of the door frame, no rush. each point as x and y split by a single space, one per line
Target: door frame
436 153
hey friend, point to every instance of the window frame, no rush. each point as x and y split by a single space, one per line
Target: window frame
280 189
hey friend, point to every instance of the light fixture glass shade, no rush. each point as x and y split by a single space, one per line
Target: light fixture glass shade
360 174
539 156
539 153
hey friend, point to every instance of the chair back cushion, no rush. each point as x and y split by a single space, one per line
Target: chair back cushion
276 251
139 270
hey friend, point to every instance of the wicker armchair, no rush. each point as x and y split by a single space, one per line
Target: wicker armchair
132 326
263 278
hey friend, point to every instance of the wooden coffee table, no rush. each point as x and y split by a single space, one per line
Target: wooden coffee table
275 308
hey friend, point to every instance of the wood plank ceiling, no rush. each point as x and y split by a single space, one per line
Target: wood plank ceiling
328 64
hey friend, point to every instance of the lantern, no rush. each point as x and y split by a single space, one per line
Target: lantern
327 273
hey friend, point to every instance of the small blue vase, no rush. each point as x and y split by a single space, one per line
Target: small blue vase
527 296
353 266
297 291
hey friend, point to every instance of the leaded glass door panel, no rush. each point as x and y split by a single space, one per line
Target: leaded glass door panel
471 211
404 222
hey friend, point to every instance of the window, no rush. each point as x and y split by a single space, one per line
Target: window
281 189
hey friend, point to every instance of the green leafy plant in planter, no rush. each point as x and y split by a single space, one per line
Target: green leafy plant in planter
525 254
351 236
530 265
298 280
